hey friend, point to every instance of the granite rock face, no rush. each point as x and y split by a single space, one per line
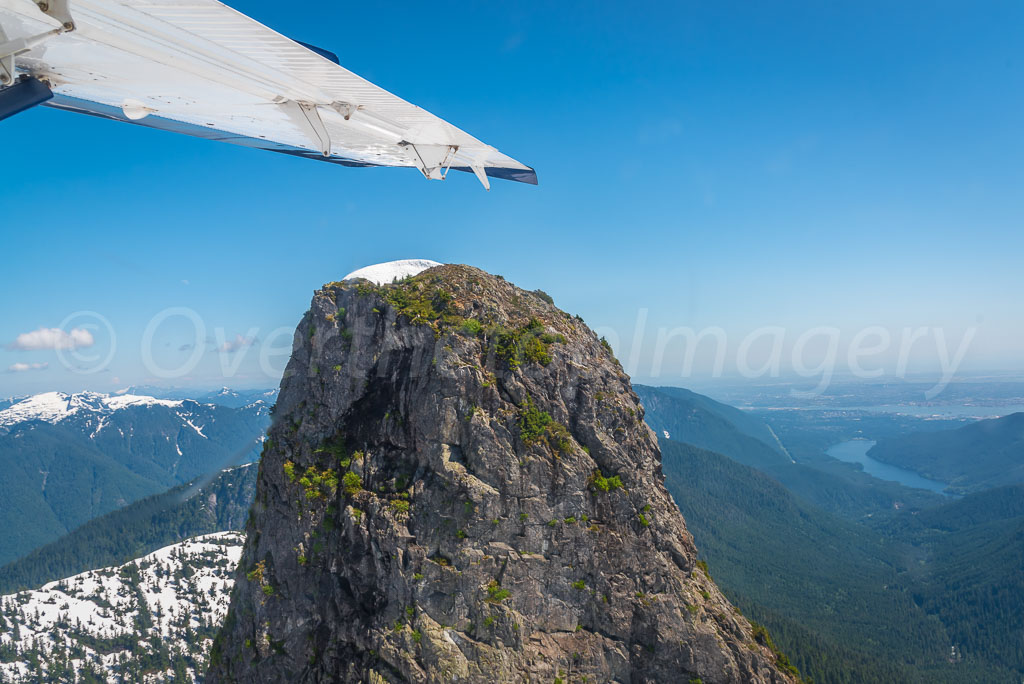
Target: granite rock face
459 486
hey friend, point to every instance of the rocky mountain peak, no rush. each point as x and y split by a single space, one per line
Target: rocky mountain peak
459 486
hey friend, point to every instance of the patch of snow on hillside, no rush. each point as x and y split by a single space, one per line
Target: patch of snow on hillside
389 272
199 430
172 600
102 423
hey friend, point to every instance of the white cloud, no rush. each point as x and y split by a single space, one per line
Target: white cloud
236 344
52 338
22 367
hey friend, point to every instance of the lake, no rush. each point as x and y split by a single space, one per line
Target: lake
856 451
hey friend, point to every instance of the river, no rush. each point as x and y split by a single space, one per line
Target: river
856 451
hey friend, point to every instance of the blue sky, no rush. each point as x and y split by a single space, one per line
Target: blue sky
732 165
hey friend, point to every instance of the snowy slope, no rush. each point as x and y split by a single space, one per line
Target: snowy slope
390 271
54 407
141 621
91 412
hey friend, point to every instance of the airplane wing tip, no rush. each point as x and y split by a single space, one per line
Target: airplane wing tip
326 54
526 175
519 175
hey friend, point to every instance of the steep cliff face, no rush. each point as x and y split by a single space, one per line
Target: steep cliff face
459 486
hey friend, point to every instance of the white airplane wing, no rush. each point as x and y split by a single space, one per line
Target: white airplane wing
202 68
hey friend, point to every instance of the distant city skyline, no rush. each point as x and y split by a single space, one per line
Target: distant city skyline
725 167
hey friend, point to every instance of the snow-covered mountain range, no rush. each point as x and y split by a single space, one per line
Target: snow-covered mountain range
150 620
54 407
224 396
92 408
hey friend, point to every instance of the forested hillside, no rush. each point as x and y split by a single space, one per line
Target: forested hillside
65 459
935 596
826 588
985 454
805 469
970 572
200 507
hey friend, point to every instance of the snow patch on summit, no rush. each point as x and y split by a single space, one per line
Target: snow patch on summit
126 400
390 271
